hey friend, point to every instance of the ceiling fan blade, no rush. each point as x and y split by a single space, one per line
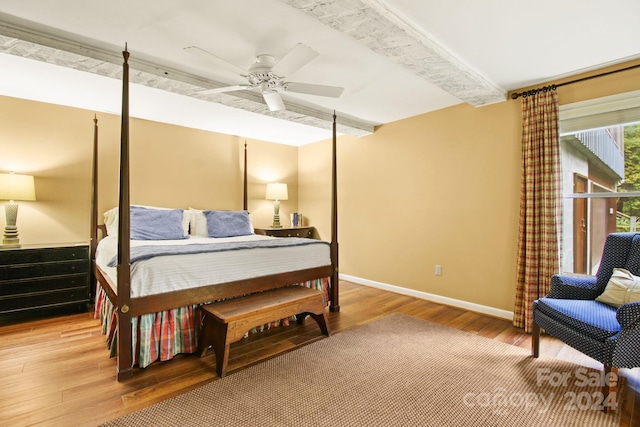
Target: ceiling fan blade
211 57
295 59
312 89
225 89
273 100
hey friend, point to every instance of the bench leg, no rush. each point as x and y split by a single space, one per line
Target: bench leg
535 340
205 336
321 320
220 346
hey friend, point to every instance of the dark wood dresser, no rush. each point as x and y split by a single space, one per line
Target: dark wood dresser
44 276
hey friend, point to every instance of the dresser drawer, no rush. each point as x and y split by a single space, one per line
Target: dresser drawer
32 256
12 288
294 233
55 298
45 269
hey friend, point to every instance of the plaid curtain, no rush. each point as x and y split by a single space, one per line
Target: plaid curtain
540 204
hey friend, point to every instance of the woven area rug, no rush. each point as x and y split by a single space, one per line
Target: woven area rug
396 371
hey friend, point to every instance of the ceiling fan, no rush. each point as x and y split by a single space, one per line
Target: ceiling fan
268 75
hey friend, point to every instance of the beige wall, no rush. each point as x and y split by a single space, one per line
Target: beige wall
440 188
171 166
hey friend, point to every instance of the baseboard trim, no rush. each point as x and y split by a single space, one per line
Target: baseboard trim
491 311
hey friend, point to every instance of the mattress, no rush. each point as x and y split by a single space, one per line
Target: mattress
169 273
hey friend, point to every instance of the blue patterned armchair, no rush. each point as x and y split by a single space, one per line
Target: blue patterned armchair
605 333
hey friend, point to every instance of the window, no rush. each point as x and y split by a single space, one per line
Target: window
600 160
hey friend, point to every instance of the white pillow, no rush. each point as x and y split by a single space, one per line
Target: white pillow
111 219
623 287
198 223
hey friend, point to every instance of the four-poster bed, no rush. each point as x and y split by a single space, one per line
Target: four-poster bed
119 304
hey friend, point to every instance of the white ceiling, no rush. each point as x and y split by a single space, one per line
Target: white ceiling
395 58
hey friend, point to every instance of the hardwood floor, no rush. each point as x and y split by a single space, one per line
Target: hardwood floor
56 371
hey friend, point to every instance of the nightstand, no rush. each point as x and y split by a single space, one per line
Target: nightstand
44 276
307 232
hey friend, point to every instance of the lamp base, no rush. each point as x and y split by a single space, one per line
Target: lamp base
276 222
11 239
6 244
11 230
276 215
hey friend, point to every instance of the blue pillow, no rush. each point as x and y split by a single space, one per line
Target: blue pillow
156 224
228 223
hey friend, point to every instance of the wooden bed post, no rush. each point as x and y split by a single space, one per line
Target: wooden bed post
94 213
124 369
244 194
335 304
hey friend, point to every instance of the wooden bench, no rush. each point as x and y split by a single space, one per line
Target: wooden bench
226 322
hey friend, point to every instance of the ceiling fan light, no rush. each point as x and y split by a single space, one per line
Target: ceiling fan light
273 100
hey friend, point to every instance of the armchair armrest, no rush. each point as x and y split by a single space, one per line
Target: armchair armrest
627 340
573 287
628 314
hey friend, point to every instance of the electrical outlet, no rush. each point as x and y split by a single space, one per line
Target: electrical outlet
438 270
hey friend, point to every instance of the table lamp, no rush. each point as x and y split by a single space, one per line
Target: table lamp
14 187
276 191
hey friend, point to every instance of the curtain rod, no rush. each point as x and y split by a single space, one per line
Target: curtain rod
531 92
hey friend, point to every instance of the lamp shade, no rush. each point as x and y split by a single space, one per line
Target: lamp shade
277 191
16 187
